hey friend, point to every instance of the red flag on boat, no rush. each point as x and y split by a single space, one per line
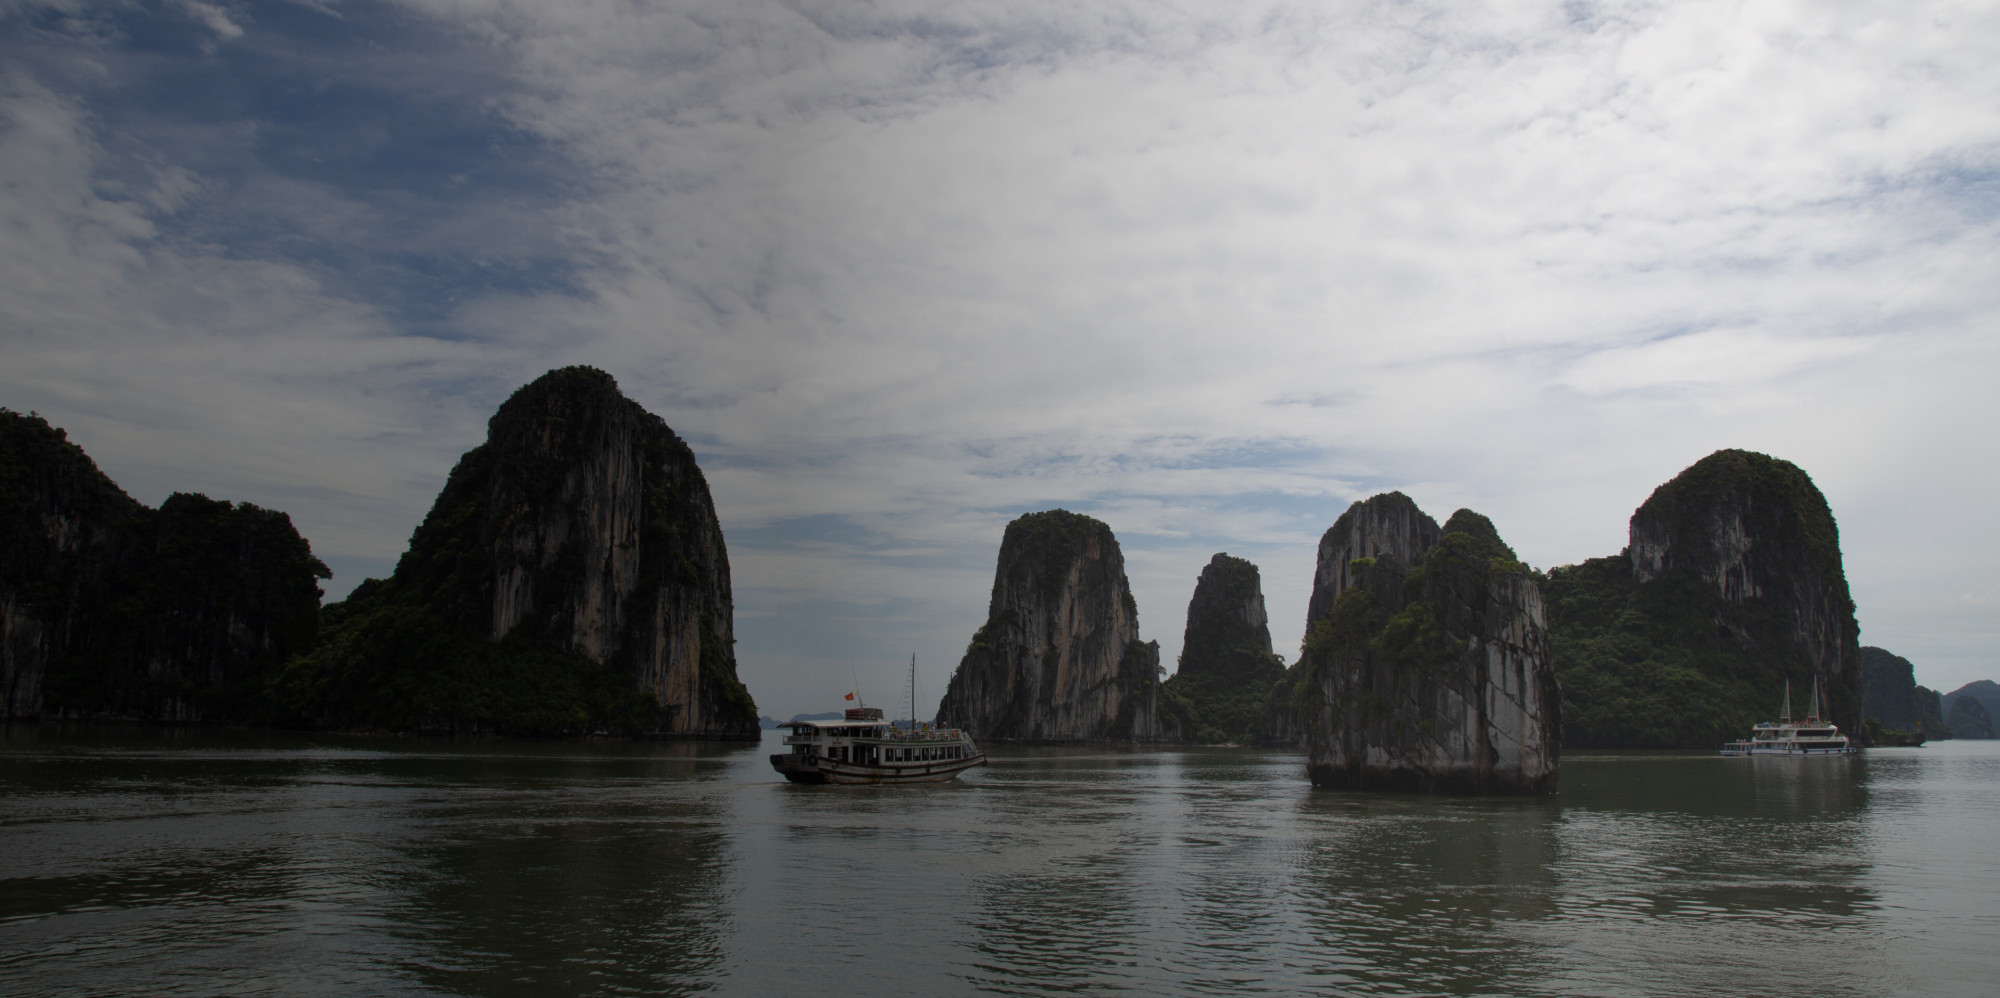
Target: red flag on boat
850 696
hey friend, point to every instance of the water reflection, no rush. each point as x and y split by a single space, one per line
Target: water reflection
240 864
1408 893
196 863
1694 874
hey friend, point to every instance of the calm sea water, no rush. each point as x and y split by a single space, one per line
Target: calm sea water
150 862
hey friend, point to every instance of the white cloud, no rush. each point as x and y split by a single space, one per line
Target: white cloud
1210 271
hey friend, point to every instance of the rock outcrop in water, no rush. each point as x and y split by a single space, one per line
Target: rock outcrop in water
1426 662
1731 585
109 609
1059 658
570 578
1894 709
1227 671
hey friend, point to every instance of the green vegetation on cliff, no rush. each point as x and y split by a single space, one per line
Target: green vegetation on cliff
1732 587
1222 690
389 660
1645 666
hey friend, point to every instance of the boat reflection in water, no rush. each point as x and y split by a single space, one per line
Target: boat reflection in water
863 748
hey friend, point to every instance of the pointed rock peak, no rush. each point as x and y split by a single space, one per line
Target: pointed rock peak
571 399
1228 636
1056 527
1365 517
1486 541
1387 526
575 382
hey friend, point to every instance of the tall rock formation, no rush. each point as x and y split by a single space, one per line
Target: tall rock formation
570 578
1227 670
1889 690
109 609
1059 658
1731 586
1426 663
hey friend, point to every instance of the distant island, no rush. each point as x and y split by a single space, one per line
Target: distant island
572 579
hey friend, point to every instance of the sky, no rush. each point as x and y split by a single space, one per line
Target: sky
900 272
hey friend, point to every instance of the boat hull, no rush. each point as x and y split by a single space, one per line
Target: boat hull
818 769
1790 750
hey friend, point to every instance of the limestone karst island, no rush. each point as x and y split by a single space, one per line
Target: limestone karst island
571 579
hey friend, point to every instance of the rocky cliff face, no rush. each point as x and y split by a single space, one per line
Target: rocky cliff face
1889 690
1386 526
1059 658
1227 671
577 566
1429 669
109 609
1731 586
1758 531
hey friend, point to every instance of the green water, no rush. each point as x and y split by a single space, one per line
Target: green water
149 862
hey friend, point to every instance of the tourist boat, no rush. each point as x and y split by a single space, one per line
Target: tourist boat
862 747
1812 736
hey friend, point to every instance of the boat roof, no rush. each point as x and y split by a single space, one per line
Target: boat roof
941 734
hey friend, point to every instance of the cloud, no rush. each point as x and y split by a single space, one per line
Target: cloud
901 272
213 17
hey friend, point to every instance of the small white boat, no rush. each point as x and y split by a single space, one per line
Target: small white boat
863 748
1812 736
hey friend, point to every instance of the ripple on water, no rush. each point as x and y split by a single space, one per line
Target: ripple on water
189 867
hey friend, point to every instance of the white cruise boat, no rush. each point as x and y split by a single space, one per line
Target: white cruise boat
864 748
861 747
1812 736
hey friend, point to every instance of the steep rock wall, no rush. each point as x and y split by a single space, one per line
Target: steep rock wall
1385 526
1059 658
576 551
1889 690
1759 532
109 609
1430 670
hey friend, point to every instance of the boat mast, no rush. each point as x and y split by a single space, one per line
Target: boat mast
913 693
1786 717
